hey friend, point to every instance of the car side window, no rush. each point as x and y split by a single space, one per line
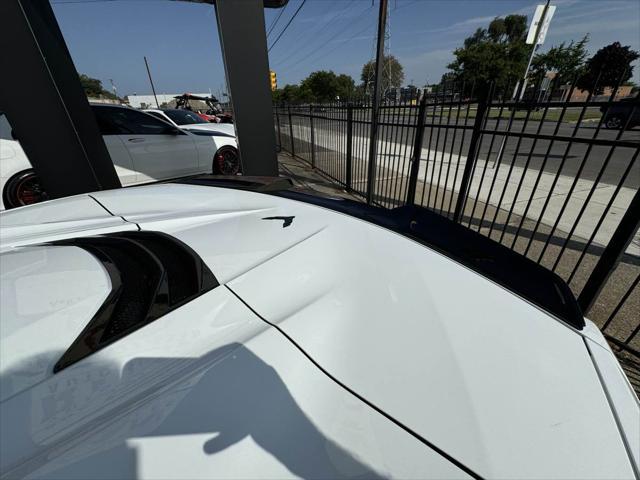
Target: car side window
157 115
126 121
106 126
5 128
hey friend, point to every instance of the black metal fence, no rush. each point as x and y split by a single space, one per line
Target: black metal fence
555 180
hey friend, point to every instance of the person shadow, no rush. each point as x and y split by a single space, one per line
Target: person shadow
229 395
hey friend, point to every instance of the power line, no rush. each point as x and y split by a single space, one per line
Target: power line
321 43
315 32
287 25
275 22
327 52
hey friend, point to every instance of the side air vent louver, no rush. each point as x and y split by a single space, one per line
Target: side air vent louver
151 274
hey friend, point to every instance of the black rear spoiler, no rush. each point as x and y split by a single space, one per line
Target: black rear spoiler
513 271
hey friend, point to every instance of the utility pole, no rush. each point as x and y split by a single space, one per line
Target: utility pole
113 87
375 104
153 89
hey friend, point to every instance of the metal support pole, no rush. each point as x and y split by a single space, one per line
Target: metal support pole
69 155
377 84
153 89
349 144
244 50
471 157
313 138
616 247
417 152
293 148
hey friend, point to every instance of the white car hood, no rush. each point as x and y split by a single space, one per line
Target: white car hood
470 368
433 344
63 218
49 294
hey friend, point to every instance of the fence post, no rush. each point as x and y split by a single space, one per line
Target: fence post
293 148
616 247
279 132
417 151
313 138
349 143
483 100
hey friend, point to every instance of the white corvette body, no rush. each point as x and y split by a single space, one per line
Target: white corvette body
330 347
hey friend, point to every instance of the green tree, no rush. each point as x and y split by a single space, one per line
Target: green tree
93 87
325 86
346 87
288 94
610 66
392 74
498 53
320 86
567 61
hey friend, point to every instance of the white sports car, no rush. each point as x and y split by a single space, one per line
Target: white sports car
143 149
194 331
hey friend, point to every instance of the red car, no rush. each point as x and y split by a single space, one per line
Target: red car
214 114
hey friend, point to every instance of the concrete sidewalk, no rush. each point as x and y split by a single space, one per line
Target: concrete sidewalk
511 188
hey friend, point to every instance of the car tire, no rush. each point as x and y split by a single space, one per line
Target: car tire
226 161
22 189
614 122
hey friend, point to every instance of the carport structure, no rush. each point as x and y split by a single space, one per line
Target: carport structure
35 55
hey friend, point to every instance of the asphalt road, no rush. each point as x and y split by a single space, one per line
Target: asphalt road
577 157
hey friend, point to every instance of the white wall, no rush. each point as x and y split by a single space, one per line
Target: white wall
136 101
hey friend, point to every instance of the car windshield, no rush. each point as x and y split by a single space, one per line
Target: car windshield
184 117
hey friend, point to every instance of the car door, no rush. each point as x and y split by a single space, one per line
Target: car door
117 151
157 149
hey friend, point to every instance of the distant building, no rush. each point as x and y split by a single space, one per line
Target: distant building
149 101
581 95
104 100
402 95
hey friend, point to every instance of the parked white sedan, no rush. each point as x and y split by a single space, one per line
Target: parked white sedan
188 120
142 147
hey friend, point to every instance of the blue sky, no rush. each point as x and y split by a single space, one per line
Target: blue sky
108 39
